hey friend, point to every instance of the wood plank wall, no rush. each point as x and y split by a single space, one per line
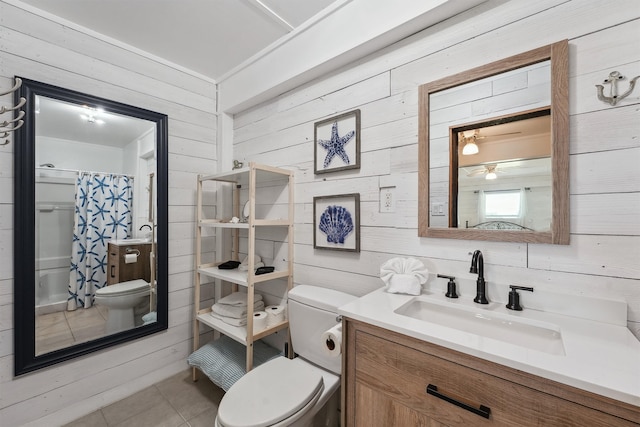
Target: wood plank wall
603 259
43 50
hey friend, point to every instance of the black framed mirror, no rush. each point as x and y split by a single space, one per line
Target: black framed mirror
90 225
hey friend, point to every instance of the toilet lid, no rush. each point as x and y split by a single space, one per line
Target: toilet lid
269 394
124 288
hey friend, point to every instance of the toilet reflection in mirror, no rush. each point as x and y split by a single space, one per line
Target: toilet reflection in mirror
94 235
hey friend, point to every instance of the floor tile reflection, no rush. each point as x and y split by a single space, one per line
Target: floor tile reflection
65 328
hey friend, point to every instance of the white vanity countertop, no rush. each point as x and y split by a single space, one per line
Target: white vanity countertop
130 242
602 358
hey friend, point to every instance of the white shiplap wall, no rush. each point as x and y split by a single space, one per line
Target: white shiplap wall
41 49
603 259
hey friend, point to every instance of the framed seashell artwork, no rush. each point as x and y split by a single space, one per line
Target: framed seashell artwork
337 143
336 222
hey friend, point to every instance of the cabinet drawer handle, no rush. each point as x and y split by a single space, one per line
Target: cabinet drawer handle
113 269
483 411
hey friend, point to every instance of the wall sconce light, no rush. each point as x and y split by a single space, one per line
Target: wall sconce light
468 138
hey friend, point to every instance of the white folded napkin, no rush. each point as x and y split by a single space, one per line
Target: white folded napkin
230 320
404 275
235 311
239 299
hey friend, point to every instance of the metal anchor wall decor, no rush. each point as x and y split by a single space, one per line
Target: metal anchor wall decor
613 79
8 126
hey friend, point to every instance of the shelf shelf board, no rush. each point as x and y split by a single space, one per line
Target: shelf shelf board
214 223
237 333
271 222
270 330
239 277
232 176
238 175
233 276
271 276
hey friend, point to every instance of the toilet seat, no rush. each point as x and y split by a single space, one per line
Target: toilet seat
124 288
278 390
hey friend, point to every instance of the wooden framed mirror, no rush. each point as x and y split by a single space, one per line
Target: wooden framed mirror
90 213
494 151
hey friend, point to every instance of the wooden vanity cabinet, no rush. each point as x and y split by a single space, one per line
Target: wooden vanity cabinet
386 376
119 271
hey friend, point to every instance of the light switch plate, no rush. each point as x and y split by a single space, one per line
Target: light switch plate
437 209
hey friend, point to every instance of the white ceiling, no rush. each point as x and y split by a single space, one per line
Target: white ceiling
63 120
210 37
225 40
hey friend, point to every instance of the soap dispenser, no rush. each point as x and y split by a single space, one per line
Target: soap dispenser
451 286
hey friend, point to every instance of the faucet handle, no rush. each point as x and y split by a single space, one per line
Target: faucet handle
514 297
451 286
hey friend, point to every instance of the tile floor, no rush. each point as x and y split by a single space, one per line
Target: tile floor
174 402
64 328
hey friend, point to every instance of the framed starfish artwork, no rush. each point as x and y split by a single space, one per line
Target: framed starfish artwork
337 143
336 222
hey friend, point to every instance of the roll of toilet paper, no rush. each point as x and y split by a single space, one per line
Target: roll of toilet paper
130 258
259 321
332 341
275 314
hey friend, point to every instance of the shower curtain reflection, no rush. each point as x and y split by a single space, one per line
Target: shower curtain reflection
102 212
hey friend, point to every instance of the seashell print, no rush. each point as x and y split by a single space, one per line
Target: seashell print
336 223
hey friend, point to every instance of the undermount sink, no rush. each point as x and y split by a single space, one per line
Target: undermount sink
532 334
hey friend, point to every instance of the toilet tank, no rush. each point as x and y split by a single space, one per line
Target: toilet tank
312 311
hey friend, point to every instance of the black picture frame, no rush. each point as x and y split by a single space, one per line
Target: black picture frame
336 222
339 152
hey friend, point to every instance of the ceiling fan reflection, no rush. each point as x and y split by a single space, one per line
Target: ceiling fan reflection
488 171
468 139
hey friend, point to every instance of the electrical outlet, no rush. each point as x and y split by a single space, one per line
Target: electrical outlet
387 200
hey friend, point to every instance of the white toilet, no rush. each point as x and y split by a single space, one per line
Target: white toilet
293 392
121 298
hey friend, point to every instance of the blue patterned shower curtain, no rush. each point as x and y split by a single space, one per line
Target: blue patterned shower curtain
102 213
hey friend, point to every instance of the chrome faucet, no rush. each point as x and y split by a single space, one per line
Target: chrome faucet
477 267
145 225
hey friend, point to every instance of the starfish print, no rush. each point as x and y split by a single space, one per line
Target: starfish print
102 237
115 223
83 197
100 263
101 210
335 146
99 185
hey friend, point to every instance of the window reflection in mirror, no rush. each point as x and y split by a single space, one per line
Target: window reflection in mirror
93 195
